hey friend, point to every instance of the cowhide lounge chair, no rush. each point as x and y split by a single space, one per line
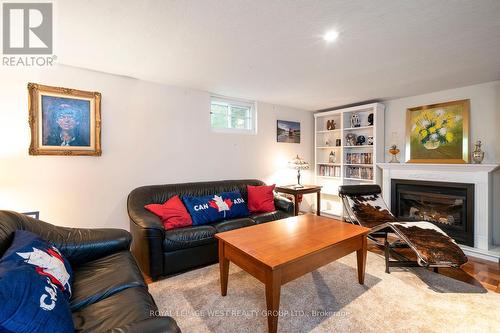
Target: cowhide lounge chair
433 247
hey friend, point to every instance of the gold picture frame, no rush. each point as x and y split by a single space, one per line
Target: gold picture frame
438 133
64 121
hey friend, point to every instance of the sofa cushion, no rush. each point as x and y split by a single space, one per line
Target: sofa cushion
233 224
103 277
268 217
127 306
188 237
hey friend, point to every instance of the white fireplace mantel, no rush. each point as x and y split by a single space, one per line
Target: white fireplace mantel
477 174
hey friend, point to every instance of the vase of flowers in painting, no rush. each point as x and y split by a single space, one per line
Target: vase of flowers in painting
433 128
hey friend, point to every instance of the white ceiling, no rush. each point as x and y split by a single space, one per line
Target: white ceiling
272 50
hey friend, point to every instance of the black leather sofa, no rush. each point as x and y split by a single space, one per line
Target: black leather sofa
109 293
161 252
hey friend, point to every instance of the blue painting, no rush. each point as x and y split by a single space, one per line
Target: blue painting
65 121
288 131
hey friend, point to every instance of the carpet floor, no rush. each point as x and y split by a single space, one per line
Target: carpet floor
330 300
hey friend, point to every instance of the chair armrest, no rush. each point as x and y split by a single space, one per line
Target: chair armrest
284 204
83 245
150 325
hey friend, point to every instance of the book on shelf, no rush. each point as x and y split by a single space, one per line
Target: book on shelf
359 158
359 172
329 171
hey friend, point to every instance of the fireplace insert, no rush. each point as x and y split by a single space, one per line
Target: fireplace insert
447 205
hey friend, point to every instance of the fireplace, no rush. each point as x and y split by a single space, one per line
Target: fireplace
450 206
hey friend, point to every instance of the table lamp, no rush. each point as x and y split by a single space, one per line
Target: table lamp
298 164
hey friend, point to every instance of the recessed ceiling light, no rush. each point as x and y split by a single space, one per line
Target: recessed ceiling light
330 36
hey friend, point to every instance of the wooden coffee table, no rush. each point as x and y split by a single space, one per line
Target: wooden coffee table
278 252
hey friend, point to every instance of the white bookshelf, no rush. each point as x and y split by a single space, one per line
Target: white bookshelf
325 142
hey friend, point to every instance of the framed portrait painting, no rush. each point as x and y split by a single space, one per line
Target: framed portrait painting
288 131
438 133
64 121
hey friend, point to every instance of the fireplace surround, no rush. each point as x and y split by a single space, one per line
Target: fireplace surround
450 206
481 175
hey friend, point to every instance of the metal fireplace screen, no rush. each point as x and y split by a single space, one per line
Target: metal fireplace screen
447 205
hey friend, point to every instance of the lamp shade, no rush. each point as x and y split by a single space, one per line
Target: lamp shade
298 163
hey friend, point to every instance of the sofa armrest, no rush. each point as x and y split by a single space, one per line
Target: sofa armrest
78 245
82 245
150 325
284 204
148 235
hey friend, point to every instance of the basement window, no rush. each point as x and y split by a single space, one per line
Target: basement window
232 115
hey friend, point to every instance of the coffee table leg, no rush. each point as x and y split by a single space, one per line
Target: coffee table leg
273 289
361 253
224 269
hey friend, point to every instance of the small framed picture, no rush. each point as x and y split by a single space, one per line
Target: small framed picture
288 131
64 121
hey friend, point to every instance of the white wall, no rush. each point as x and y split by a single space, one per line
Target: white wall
484 125
151 134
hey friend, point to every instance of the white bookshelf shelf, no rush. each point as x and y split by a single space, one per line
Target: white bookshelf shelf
329 177
328 131
361 146
360 180
358 128
349 172
326 163
364 165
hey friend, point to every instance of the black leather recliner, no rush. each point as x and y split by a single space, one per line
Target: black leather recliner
109 293
160 252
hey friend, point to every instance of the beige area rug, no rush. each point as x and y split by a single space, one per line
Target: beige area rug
330 300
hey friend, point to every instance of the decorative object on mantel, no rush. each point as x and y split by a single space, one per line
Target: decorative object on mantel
370 119
355 121
477 154
298 164
394 151
64 121
332 158
350 139
330 125
438 133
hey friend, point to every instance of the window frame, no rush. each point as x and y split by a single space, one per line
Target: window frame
252 106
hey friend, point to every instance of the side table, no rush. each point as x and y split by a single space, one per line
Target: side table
297 191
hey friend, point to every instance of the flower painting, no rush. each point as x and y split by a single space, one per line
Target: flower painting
438 133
